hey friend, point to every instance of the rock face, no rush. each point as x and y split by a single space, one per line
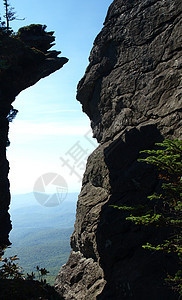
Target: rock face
21 65
132 93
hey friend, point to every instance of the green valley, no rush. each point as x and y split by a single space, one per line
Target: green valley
41 236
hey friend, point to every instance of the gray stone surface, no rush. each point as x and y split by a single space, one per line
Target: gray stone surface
83 282
134 73
131 92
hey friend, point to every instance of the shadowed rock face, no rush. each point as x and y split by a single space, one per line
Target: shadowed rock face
131 92
135 67
20 67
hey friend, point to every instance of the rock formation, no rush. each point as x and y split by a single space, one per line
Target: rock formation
22 64
132 93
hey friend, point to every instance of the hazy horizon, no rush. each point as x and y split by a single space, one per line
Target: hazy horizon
50 121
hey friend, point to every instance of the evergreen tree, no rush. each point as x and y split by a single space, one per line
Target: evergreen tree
167 205
9 13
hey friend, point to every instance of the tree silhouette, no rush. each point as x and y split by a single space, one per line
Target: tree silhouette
10 14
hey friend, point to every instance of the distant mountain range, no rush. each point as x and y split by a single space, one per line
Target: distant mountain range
41 235
27 212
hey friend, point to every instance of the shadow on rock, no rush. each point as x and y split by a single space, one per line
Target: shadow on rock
130 271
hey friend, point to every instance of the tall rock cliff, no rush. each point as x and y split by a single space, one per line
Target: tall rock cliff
24 60
132 93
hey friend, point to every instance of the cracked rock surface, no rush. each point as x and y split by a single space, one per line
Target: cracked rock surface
132 93
134 73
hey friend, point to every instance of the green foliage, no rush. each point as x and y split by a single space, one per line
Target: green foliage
148 219
42 272
32 29
167 160
167 206
138 209
176 281
10 269
46 247
127 208
14 284
169 246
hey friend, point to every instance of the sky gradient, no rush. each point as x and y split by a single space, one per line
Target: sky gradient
50 121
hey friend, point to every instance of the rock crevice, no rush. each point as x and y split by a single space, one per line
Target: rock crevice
131 91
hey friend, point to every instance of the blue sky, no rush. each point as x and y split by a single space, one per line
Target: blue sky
50 126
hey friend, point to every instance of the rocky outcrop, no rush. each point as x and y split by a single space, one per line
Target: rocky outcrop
132 93
21 65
